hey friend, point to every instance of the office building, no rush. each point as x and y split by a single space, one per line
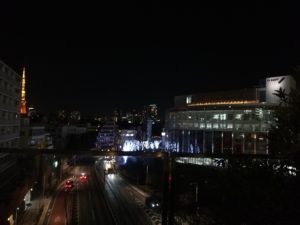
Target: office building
10 98
228 122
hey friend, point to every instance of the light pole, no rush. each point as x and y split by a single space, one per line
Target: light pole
196 190
147 171
43 190
16 219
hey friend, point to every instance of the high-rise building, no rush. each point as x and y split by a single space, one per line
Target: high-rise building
10 97
236 121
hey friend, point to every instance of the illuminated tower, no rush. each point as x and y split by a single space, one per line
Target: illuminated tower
23 95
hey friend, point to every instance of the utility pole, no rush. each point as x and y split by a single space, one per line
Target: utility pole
168 191
147 174
16 219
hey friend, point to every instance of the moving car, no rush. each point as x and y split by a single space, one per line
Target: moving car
83 177
69 185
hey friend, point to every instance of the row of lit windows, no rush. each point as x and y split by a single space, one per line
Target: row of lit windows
236 126
204 116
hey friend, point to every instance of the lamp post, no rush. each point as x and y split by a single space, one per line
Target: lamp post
147 174
43 191
16 219
196 190
163 137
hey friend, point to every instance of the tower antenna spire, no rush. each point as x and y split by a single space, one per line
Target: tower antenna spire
23 110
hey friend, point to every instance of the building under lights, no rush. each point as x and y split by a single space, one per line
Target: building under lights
107 136
125 136
228 122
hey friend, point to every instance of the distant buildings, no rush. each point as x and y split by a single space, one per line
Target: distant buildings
130 131
40 138
236 121
75 116
107 136
152 112
62 135
124 137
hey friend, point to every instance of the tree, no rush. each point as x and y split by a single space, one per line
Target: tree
284 135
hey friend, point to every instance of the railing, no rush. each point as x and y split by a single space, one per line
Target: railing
229 189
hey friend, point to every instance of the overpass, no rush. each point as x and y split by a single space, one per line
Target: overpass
168 165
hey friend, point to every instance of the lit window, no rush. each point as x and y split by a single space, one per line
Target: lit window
222 125
202 125
215 125
223 116
208 125
238 116
188 99
229 126
216 116
259 113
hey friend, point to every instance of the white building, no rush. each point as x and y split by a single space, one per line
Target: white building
235 121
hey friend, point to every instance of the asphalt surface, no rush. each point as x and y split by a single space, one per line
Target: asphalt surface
101 199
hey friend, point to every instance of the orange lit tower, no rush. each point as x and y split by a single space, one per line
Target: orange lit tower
23 95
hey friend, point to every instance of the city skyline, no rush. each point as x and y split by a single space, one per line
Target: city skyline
79 68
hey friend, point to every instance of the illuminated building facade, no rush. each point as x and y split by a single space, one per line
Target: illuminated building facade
125 136
226 122
10 96
107 136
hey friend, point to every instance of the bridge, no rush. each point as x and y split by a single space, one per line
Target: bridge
168 165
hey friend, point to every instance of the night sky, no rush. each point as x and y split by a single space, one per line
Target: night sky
97 58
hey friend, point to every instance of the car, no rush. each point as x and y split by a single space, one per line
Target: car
83 176
69 184
109 171
153 203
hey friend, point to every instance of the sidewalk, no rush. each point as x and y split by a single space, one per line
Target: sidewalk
33 213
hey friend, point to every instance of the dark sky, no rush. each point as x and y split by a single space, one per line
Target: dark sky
96 58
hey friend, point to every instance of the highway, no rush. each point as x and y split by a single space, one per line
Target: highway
99 199
122 199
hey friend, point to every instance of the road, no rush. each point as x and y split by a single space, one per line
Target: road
100 199
58 212
122 200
